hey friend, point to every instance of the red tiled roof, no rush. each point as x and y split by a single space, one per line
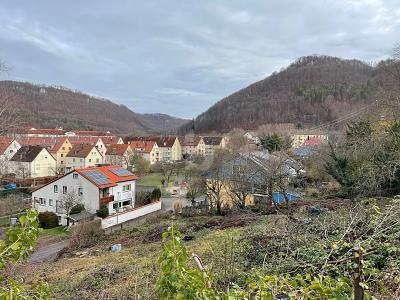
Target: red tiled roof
47 142
5 142
91 133
312 142
110 175
80 150
108 140
189 141
58 145
117 149
38 131
142 146
162 141
83 139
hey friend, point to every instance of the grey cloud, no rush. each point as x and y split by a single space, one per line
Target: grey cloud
180 57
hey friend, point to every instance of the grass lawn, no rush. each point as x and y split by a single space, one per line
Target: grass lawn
56 231
152 179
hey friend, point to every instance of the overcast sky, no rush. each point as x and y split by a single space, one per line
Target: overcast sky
180 57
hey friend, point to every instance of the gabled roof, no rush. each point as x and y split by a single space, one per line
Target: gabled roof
80 150
83 139
117 149
212 140
5 142
91 133
107 171
58 145
142 146
162 141
189 140
108 140
27 153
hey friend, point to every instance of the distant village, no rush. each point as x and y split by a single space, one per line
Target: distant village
97 169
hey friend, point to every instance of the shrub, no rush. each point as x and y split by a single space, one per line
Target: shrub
77 209
85 234
103 211
143 198
156 194
48 220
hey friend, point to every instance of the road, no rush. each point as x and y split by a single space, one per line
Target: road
48 252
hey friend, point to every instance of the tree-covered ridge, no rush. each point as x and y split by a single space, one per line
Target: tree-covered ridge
311 91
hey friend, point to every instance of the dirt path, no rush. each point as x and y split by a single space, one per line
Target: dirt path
48 252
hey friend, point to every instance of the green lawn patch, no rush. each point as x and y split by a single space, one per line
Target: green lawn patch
56 231
152 179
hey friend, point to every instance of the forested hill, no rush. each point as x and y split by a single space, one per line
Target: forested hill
310 91
50 107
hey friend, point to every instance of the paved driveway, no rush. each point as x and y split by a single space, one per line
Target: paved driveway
48 252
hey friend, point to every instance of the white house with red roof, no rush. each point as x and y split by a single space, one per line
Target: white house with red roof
112 186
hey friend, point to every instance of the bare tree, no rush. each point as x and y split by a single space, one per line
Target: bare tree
8 112
67 201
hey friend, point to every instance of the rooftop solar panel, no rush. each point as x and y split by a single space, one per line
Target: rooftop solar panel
97 176
121 172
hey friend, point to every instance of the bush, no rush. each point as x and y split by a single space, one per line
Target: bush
77 209
48 220
103 211
143 198
156 194
85 234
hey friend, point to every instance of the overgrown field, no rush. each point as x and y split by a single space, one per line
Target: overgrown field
316 237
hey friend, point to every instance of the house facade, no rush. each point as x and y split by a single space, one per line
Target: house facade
169 146
32 162
213 143
299 139
147 149
119 155
112 186
192 146
83 156
60 152
8 147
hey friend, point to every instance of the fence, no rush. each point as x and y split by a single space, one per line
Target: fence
130 215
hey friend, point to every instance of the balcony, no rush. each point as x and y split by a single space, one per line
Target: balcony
107 199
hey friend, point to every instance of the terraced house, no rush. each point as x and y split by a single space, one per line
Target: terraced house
213 143
119 154
83 156
32 162
147 150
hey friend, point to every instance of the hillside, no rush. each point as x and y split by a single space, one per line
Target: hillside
50 107
310 91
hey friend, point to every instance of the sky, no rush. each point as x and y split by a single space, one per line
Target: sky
180 57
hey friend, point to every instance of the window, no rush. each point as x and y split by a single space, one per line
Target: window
65 189
63 149
35 199
62 155
97 160
90 160
11 151
55 188
126 188
50 202
81 160
73 159
75 176
80 191
42 201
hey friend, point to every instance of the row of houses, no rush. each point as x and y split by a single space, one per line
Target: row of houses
299 139
48 152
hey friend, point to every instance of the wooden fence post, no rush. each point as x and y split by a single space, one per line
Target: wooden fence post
358 274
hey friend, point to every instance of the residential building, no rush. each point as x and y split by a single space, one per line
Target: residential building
8 147
112 186
146 149
192 146
60 151
119 154
169 146
213 143
36 132
92 140
83 156
253 138
32 162
298 139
